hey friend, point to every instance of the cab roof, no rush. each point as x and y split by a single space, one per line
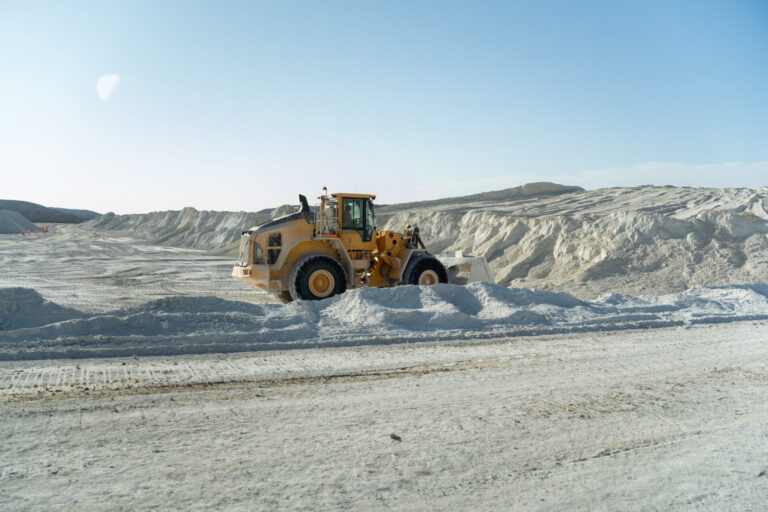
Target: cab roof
345 194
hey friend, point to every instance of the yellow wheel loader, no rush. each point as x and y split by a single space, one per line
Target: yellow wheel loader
311 255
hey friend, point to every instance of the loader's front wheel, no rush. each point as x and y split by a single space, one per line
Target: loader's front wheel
425 271
428 278
317 277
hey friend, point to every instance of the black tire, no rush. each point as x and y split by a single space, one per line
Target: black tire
422 268
317 278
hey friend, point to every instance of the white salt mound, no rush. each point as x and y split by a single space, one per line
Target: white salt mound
181 228
12 223
33 328
631 240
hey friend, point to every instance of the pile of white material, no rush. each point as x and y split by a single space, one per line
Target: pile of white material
631 240
33 328
181 228
13 223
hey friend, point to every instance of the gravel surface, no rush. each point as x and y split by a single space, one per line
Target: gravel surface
93 271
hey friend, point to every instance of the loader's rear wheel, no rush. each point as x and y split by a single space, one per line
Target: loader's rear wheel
425 271
317 277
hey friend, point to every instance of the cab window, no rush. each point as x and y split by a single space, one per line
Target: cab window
352 214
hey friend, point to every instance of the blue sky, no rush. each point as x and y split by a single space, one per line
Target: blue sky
243 105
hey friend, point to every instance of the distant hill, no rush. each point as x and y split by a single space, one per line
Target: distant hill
38 213
529 190
83 214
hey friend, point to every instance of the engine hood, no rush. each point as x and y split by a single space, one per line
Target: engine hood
268 226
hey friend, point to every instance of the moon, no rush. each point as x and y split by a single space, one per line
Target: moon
106 85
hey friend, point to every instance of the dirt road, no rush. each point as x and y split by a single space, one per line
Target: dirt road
638 420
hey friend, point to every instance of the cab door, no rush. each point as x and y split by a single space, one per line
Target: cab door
357 223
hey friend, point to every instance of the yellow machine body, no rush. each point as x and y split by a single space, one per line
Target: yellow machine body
340 246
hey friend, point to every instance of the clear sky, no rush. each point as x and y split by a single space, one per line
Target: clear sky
243 105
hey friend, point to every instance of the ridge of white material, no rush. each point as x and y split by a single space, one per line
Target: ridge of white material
188 228
33 328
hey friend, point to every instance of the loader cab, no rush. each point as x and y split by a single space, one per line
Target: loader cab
350 217
357 215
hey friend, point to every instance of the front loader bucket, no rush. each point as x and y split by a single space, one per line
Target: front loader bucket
465 269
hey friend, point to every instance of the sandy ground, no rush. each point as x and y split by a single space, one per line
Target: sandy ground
92 271
664 419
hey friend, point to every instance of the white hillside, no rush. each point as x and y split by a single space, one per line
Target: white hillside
630 240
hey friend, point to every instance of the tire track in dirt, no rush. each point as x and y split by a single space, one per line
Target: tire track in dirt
23 380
